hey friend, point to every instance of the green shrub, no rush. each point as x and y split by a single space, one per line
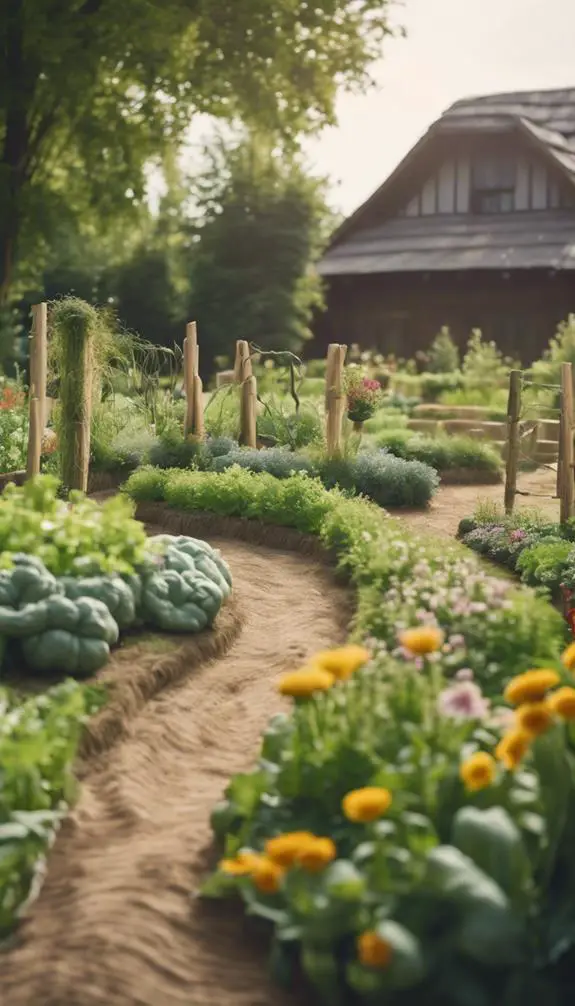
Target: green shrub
433 386
171 450
288 428
277 462
443 356
386 419
38 743
315 368
442 452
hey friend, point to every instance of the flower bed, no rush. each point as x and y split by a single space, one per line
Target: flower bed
406 841
541 552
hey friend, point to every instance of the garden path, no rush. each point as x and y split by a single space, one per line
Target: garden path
452 503
114 924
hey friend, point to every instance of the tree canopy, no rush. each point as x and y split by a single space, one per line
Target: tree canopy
262 219
91 90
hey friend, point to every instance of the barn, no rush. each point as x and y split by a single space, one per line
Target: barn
474 229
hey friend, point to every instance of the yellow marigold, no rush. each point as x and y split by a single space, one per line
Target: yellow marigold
372 951
285 849
568 657
317 854
427 639
478 771
367 804
531 686
343 662
512 748
267 875
534 717
303 684
241 866
562 703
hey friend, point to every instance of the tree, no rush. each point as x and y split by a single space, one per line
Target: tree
91 90
262 221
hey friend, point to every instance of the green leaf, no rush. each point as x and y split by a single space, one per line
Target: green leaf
342 880
493 841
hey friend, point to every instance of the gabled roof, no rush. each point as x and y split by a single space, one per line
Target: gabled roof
545 118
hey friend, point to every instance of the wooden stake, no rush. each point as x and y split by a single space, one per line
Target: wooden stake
190 371
334 397
37 390
248 412
198 416
513 439
243 363
567 492
35 430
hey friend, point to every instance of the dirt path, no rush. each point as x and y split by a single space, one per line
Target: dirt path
114 925
452 503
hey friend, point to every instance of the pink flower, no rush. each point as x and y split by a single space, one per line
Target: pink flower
463 701
465 674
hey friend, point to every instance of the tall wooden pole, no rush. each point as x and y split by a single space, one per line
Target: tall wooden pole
190 372
248 412
567 491
513 439
334 396
37 390
243 363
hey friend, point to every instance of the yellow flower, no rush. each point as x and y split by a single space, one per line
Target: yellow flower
267 875
531 686
372 951
562 703
568 657
534 718
421 641
318 854
478 771
241 866
343 662
367 804
302 684
512 748
285 849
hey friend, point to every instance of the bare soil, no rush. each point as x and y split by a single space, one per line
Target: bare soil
115 924
452 503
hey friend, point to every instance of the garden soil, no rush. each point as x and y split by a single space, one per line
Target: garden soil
116 923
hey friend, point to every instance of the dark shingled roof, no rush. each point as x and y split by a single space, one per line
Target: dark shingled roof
454 242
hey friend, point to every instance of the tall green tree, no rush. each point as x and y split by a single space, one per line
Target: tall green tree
91 90
262 220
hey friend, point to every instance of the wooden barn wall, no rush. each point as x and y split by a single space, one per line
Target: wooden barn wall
447 190
402 314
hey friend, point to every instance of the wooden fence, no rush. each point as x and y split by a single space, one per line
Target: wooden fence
565 482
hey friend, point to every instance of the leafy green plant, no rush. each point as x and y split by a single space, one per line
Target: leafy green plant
442 452
443 356
73 537
38 741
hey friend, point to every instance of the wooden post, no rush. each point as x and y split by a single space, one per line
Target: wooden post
190 372
567 492
37 389
243 363
248 412
513 439
334 397
198 416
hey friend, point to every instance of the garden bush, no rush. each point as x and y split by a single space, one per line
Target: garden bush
404 844
386 480
38 742
540 551
442 452
13 426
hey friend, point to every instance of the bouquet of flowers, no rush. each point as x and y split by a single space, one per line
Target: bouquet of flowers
364 396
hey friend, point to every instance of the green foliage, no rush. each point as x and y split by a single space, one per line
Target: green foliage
262 221
126 81
289 428
450 880
386 480
434 386
443 356
13 426
442 452
561 350
69 538
38 743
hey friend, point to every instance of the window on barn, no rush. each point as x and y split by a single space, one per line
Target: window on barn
493 185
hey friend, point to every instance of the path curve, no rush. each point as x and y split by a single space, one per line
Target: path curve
114 924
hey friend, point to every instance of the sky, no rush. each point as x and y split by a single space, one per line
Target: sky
454 49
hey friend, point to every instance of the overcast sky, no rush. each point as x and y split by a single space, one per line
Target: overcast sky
454 49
